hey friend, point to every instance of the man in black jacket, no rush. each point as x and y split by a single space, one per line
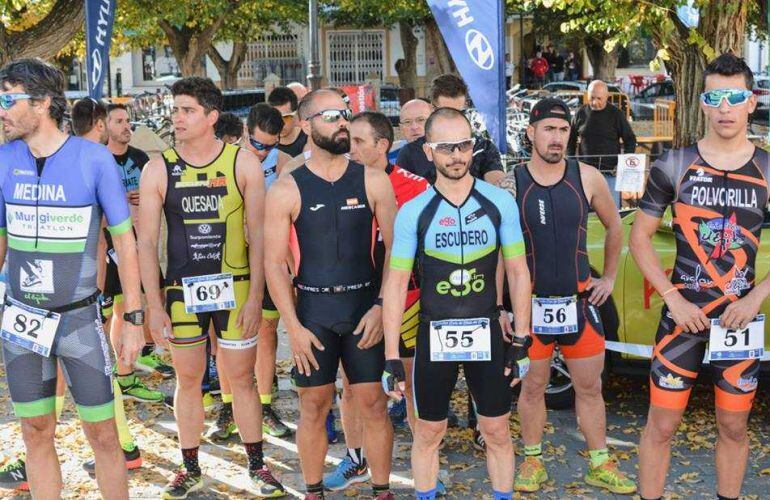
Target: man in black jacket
597 132
450 91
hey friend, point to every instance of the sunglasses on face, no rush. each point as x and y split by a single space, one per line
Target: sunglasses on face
448 148
734 97
262 147
333 115
8 100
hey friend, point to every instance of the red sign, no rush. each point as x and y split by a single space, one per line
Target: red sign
649 290
361 97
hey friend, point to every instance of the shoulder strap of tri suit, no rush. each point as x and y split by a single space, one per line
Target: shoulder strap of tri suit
490 208
762 161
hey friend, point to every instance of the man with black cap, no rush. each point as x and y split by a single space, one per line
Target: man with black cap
555 195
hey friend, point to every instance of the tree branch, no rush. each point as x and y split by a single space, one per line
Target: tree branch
46 38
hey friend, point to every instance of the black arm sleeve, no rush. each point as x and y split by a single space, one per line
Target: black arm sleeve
626 133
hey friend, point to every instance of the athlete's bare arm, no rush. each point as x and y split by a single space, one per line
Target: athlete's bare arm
379 191
282 208
291 164
599 197
132 338
283 159
251 182
152 186
686 315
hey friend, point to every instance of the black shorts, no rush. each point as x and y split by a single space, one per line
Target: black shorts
113 290
332 318
434 381
269 311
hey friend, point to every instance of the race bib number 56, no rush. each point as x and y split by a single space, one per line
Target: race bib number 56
29 327
460 340
554 316
213 292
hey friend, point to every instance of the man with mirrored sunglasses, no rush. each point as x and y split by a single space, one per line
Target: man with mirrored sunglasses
717 191
325 211
293 139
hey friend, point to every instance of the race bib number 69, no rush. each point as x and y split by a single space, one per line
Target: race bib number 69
213 292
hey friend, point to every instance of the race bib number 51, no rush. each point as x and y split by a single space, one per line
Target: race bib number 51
748 343
29 327
460 340
213 292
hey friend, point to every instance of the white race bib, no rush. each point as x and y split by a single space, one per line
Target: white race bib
29 327
554 316
460 340
213 292
748 343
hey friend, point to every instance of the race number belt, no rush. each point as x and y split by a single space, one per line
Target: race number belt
212 292
746 343
554 315
460 340
29 327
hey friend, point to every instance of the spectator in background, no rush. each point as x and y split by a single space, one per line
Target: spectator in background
508 71
557 67
293 139
539 67
450 91
571 66
229 128
412 120
549 55
299 90
598 129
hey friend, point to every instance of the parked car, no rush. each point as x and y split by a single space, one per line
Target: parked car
762 91
643 103
632 314
577 85
390 105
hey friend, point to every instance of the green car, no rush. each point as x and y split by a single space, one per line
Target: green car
632 314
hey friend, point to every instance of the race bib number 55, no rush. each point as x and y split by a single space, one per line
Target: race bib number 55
460 340
213 292
29 327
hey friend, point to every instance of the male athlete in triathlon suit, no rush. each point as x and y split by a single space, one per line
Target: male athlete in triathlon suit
53 191
456 231
718 192
554 196
206 188
327 210
130 162
371 136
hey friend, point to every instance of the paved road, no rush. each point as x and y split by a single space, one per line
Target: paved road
692 474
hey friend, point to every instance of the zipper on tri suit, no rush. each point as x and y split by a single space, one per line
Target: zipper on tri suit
553 226
724 217
39 167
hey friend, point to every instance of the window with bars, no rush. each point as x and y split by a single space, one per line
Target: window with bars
281 54
353 55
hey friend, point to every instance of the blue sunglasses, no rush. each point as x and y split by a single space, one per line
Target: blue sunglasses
262 147
8 100
734 97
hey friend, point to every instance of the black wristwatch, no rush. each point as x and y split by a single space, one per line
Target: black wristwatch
525 342
134 317
378 301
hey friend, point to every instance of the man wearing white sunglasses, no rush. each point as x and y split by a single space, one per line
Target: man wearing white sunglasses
718 193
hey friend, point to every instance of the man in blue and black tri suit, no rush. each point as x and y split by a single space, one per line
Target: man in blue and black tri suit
457 232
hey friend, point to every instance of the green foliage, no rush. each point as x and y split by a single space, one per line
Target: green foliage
370 13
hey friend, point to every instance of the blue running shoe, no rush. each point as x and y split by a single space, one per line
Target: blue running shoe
331 431
440 489
397 412
346 473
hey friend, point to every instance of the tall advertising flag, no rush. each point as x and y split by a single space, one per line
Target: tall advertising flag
474 34
100 15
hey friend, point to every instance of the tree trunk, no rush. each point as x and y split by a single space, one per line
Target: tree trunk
722 26
46 38
604 63
228 69
439 60
407 67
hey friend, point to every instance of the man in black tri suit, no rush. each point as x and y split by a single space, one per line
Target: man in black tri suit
326 211
555 196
